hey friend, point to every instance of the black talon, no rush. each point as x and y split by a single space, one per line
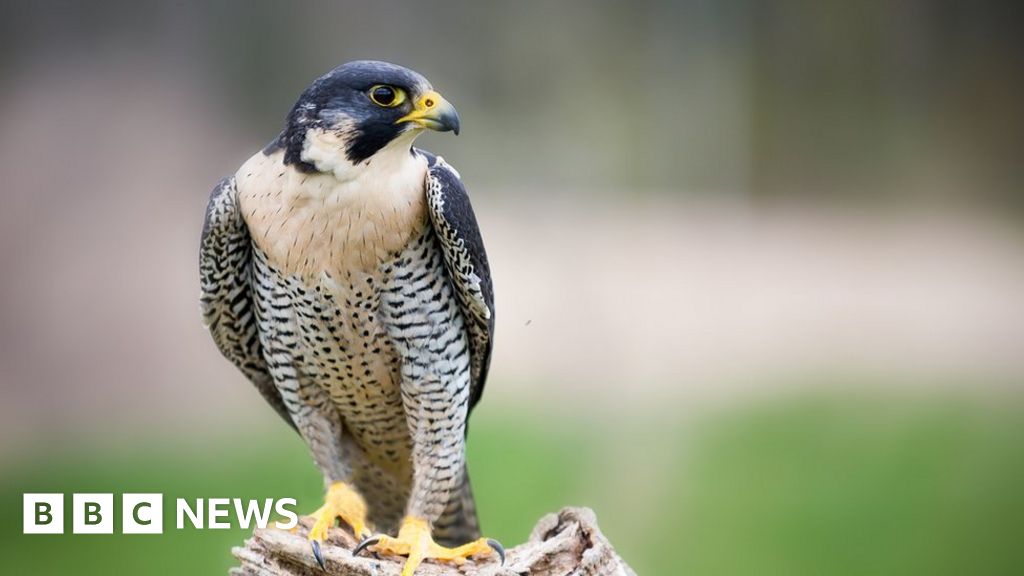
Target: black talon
318 555
497 547
370 541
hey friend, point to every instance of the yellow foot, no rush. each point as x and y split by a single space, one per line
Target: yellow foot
341 502
414 541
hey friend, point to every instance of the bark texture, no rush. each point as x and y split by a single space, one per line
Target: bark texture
565 543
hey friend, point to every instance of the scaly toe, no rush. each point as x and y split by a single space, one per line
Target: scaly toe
474 548
414 539
341 502
320 526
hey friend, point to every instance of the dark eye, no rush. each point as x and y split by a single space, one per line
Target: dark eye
387 96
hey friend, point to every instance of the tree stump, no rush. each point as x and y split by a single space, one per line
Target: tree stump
565 543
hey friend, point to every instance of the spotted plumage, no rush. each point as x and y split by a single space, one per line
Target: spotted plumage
343 273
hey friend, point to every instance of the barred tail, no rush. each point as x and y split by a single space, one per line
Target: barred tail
458 523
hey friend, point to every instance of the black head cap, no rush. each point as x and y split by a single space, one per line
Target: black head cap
341 100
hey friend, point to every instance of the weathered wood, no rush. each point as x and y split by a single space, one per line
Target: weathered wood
565 543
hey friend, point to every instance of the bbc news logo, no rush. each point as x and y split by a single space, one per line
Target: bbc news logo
144 513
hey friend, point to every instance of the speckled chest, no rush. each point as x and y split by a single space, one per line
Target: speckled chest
348 336
352 297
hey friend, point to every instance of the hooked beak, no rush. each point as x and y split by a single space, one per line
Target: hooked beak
434 112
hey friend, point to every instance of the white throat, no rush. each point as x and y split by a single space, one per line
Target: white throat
345 217
325 149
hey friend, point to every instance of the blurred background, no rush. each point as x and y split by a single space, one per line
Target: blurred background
759 270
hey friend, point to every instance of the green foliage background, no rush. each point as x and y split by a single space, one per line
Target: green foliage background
810 485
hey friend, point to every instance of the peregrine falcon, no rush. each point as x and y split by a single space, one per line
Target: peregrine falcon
343 273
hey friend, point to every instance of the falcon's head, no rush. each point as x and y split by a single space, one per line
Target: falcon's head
359 109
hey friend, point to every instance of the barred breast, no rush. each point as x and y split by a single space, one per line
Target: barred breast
357 338
352 303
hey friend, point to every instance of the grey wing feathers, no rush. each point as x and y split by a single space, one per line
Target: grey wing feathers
455 225
225 254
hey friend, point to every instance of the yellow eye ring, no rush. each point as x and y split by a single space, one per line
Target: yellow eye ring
386 96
